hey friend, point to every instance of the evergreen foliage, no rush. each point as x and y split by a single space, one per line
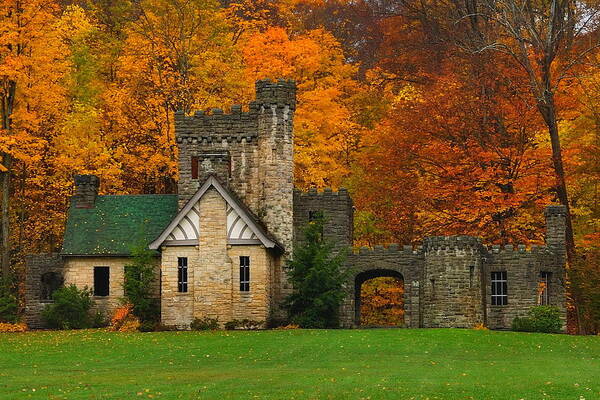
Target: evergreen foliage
139 279
317 276
70 310
9 305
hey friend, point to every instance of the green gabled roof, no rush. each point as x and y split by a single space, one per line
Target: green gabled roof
117 223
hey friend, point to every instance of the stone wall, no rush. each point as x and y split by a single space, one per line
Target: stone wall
213 274
36 266
337 209
447 281
79 271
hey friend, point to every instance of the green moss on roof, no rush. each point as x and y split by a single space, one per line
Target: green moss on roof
117 223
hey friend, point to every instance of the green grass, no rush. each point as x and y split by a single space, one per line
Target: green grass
300 364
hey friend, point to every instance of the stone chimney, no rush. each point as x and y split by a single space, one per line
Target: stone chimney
86 190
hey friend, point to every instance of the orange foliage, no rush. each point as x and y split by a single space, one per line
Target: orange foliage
7 328
382 302
124 320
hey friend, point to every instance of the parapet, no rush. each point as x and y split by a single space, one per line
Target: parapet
555 210
281 92
235 126
327 192
216 126
432 243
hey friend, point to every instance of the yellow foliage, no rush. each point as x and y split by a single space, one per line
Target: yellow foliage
124 320
480 327
18 327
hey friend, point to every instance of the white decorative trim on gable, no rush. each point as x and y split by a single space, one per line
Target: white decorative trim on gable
185 228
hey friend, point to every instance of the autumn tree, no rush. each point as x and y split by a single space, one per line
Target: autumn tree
32 63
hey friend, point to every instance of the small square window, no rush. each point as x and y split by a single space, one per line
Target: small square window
101 281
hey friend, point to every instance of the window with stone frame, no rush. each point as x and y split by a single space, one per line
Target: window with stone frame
544 288
499 288
244 274
101 281
182 274
50 282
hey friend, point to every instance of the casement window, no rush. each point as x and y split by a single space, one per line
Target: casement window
544 288
499 288
194 167
182 274
244 274
101 281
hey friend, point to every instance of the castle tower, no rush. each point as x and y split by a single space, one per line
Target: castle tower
276 103
250 152
451 283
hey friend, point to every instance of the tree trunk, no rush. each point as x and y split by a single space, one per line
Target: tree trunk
548 111
5 218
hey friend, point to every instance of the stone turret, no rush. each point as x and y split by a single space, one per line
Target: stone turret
451 283
556 225
86 190
276 103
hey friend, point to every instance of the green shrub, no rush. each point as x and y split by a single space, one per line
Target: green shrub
99 320
70 310
9 305
540 319
139 280
205 324
148 326
317 275
245 324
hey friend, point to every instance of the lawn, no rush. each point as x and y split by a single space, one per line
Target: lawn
299 364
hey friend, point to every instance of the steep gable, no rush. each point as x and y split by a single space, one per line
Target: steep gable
242 226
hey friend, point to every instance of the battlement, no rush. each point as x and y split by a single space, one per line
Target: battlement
216 126
521 248
433 243
281 92
393 248
313 192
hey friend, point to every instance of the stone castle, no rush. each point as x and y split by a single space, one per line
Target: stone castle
222 241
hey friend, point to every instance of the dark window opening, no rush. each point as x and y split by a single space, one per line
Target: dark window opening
317 216
101 281
50 282
432 288
194 167
182 274
244 274
499 288
544 288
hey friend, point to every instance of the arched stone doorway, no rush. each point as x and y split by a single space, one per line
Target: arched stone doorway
369 276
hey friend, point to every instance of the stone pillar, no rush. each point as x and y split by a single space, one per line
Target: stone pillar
86 190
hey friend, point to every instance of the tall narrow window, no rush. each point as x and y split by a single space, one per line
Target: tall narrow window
101 281
499 288
244 274
544 288
194 167
182 274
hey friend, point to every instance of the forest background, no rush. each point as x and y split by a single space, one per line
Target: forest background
440 117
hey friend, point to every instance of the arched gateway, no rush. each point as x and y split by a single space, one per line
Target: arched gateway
363 278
